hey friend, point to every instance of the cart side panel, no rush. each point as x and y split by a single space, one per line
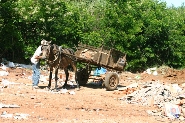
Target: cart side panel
110 58
119 57
102 56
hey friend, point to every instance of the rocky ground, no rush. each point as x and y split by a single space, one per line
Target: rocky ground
92 103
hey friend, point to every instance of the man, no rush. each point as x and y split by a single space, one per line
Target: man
36 65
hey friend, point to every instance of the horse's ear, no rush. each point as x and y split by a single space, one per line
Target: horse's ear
49 42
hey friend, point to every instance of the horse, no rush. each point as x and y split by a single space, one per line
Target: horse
56 58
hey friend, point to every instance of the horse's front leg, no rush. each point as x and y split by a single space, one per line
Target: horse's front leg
56 78
50 77
67 76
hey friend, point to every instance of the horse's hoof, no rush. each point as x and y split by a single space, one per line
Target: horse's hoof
47 88
77 89
55 90
64 86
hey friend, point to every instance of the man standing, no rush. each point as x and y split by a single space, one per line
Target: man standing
36 65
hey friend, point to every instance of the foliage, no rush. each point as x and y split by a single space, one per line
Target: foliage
149 32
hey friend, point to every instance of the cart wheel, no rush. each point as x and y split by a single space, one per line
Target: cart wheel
82 76
111 81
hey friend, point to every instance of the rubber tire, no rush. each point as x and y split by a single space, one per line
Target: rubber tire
82 77
111 81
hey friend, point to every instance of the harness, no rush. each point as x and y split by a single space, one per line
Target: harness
57 52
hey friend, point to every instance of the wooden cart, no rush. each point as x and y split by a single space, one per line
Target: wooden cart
112 60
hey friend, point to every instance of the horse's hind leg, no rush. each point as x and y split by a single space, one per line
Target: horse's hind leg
75 70
78 86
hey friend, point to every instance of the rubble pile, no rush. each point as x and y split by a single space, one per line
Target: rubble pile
89 54
152 92
169 98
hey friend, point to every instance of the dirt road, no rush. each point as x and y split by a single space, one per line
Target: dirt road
92 104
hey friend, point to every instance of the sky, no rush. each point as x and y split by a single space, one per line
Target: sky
176 3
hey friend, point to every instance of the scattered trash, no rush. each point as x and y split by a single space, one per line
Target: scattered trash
168 98
99 71
5 83
171 110
6 115
4 73
18 116
21 116
11 64
152 71
155 73
176 88
3 67
134 85
5 64
9 106
72 92
33 97
138 77
63 91
42 78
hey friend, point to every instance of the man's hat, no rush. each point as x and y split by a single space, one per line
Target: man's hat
44 42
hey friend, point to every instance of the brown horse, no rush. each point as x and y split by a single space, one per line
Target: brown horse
56 57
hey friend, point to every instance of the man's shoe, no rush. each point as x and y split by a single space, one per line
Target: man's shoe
35 87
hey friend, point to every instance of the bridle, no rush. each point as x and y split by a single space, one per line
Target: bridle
56 55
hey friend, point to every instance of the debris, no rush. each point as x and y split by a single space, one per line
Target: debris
20 116
5 83
6 115
177 88
17 115
86 53
152 71
11 64
183 85
33 97
167 97
157 91
72 92
134 85
181 118
3 67
63 91
172 111
138 77
155 73
99 71
43 78
9 106
4 73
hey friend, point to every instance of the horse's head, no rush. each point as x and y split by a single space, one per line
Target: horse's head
46 48
50 52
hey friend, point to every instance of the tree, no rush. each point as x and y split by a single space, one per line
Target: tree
10 35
